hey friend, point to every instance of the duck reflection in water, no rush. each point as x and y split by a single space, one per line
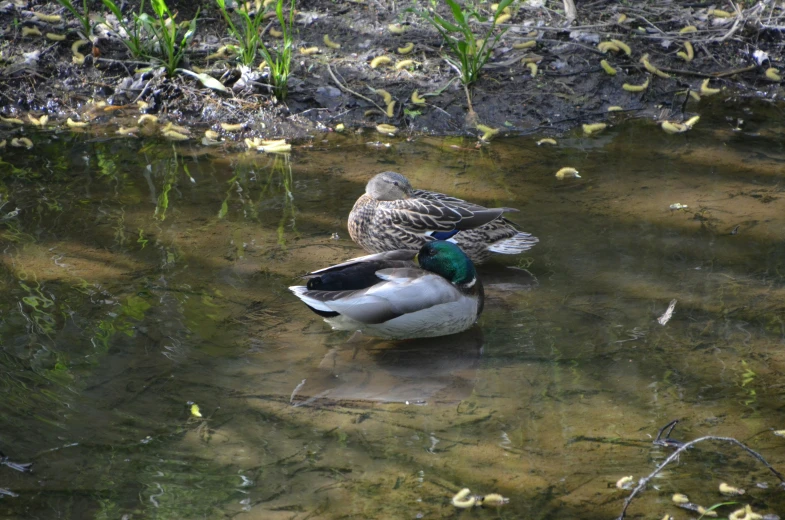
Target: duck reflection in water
417 371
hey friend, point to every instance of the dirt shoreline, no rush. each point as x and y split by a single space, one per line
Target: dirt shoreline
570 87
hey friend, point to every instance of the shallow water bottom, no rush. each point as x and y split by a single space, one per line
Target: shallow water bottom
131 293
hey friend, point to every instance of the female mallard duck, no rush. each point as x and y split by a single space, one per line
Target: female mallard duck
392 215
398 294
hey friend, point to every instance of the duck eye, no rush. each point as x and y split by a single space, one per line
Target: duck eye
396 183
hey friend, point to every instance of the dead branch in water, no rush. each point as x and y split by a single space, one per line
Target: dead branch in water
642 482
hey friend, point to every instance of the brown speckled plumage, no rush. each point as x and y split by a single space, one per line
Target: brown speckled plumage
391 215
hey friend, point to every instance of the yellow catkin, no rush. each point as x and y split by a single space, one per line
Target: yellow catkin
30 31
174 136
692 121
503 18
21 142
688 29
380 60
706 91
463 499
533 68
727 489
276 148
78 58
604 47
49 18
773 74
405 64
494 500
651 68
11 120
396 28
694 95
622 46
386 96
622 18
41 121
147 119
525 45
547 140
607 67
275 33
171 127
390 109
567 172
488 132
75 124
406 49
416 99
719 13
673 128
636 88
307 51
615 108
232 127
331 44
386 129
594 128
679 498
127 131
55 37
687 56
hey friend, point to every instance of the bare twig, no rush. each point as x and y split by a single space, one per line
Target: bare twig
569 11
673 456
350 91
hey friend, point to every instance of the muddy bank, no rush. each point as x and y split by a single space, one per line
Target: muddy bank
733 50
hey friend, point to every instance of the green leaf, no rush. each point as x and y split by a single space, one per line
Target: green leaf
447 26
457 13
502 6
113 7
159 7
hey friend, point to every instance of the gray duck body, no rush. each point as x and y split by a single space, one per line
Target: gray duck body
392 215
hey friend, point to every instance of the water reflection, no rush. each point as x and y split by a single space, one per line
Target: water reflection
420 371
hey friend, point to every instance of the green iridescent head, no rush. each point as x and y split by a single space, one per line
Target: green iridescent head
448 260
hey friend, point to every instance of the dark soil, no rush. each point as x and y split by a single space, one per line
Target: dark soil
570 87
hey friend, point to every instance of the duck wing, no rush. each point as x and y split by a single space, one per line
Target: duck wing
359 273
395 258
423 215
453 201
401 291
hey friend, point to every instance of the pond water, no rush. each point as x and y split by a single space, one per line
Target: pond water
139 278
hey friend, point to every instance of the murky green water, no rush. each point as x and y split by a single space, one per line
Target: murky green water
131 291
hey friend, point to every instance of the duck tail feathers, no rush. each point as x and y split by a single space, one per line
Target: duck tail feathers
514 245
301 292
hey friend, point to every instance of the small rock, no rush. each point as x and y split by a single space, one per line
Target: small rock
328 91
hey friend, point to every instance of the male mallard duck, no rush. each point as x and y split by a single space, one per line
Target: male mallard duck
398 294
392 215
